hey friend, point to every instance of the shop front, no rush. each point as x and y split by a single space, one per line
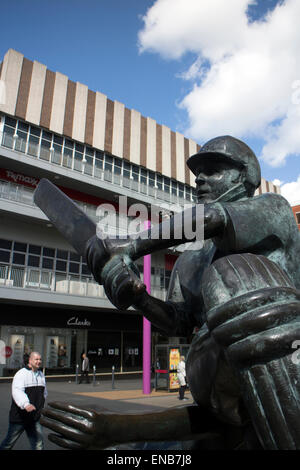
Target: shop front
61 335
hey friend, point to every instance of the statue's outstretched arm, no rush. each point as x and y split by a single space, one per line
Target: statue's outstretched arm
81 428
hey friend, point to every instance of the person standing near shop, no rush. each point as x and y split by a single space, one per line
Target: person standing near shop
28 398
85 367
181 378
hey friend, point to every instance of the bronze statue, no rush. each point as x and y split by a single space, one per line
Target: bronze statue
241 289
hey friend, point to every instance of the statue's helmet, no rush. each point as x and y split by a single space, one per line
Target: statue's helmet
232 150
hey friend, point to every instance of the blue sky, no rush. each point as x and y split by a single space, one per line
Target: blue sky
177 61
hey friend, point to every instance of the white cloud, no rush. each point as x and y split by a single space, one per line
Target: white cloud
291 191
246 76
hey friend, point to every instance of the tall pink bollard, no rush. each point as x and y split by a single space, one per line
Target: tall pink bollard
147 327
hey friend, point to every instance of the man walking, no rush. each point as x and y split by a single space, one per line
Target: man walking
28 398
85 367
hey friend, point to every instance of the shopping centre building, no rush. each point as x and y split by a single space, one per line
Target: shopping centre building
95 150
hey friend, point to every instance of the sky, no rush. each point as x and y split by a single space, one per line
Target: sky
201 67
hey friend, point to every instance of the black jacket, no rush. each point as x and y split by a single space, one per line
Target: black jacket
27 388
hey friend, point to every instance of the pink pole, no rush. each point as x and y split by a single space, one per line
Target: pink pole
147 327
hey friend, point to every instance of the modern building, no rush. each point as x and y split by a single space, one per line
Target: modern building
95 150
296 211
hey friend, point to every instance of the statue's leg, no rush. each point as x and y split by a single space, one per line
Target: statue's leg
253 312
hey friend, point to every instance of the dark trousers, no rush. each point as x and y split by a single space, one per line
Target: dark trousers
181 391
33 431
84 375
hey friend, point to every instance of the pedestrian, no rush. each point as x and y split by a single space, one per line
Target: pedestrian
28 398
85 367
181 378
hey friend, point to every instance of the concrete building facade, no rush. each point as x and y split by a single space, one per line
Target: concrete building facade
96 150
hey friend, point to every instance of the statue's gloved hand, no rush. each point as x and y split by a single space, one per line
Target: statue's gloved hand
76 428
121 281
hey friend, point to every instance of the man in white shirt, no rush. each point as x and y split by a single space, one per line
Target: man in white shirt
28 399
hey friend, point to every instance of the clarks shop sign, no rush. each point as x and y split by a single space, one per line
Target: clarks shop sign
77 322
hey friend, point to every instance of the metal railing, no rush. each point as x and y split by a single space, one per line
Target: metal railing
57 156
40 279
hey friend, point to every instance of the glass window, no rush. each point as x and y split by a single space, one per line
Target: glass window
117 167
23 126
126 170
74 257
174 187
18 258
49 252
144 176
57 139
108 163
85 269
20 246
79 147
61 265
8 140
78 161
88 165
62 254
89 151
46 135
45 149
67 157
34 249
167 184
33 145
69 143
5 244
10 121
33 261
151 178
108 168
4 256
74 268
20 144
159 181
298 217
35 131
48 263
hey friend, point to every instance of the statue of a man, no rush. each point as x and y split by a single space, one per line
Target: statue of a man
241 290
